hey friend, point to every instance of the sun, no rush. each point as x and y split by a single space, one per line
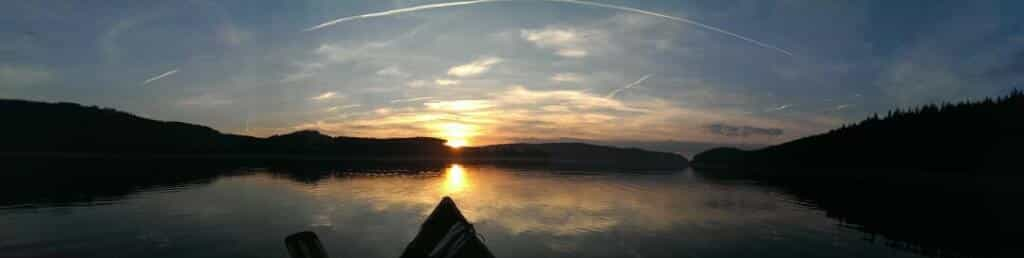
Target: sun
456 143
457 134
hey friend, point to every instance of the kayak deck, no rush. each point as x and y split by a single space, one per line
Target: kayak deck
446 233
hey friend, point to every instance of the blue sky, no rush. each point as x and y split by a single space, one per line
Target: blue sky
504 71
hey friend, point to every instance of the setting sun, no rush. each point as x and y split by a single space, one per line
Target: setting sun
456 134
456 143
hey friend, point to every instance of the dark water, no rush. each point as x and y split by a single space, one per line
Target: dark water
521 212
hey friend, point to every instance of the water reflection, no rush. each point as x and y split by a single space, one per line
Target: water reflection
455 179
540 213
521 212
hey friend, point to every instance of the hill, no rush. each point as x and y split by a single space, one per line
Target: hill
56 129
968 137
573 154
34 127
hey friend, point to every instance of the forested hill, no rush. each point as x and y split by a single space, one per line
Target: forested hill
968 137
35 127
574 154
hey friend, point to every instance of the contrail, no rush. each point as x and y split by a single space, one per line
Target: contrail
631 85
780 108
161 76
575 2
398 11
679 19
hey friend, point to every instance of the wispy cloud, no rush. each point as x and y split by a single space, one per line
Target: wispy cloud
392 71
20 76
325 96
567 77
741 130
628 86
474 68
305 71
843 106
327 55
518 111
572 52
337 108
205 101
459 105
161 76
416 83
575 2
679 19
567 42
446 82
411 99
577 99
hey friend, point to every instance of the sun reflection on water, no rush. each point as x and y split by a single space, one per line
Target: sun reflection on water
454 179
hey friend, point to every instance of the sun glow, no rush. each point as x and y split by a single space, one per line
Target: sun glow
456 143
457 134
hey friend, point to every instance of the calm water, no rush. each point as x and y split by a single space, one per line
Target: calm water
520 212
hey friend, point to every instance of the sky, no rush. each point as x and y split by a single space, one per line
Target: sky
485 72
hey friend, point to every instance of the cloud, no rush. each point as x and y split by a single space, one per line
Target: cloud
446 82
305 71
392 71
459 105
22 76
567 42
519 112
161 76
324 96
337 108
567 77
628 86
679 19
205 101
580 100
411 99
574 2
342 53
416 83
741 130
574 53
231 35
552 36
109 39
474 68
326 55
954 59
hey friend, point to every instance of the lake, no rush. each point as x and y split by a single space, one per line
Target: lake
519 211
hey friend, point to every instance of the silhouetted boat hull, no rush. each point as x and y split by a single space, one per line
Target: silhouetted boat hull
446 233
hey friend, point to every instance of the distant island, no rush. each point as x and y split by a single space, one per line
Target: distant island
73 130
572 154
974 137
